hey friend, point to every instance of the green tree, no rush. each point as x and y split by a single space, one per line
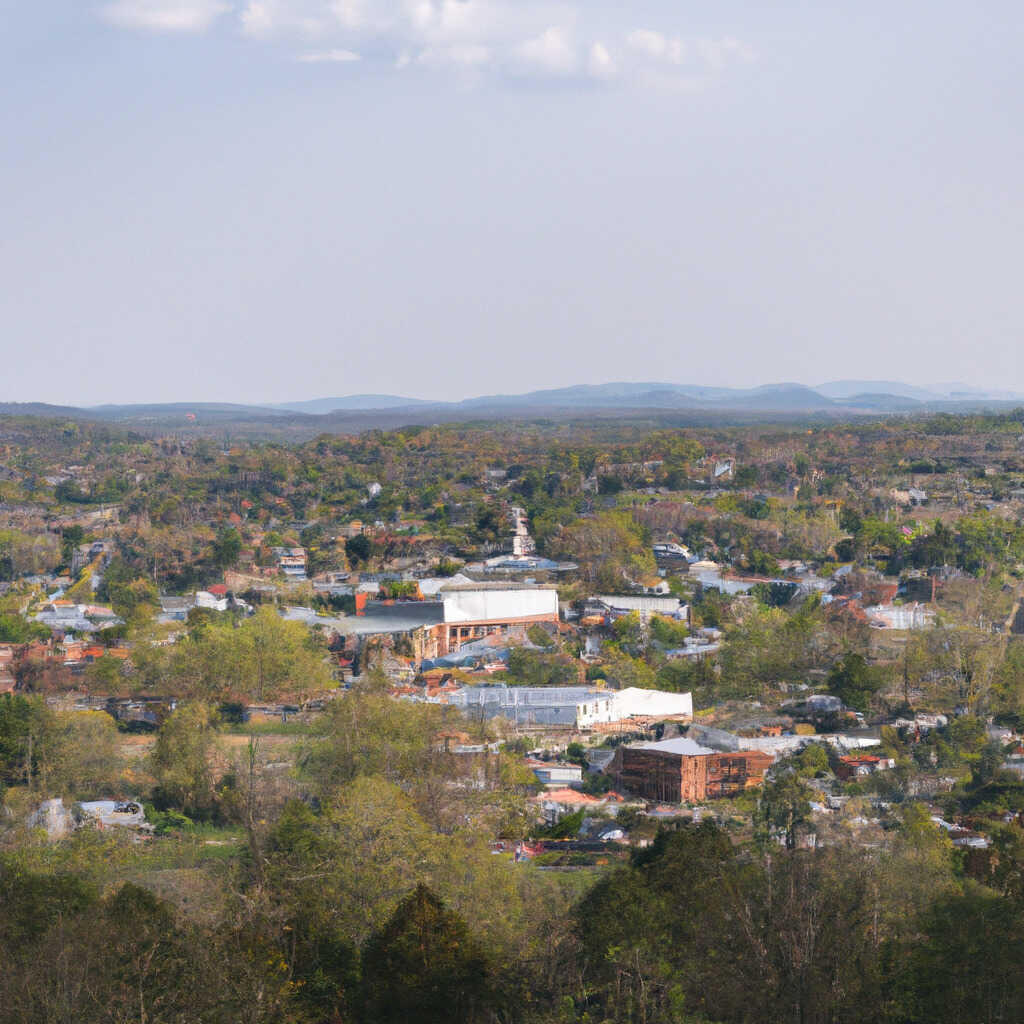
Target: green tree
424 965
260 658
358 549
26 731
854 682
182 760
812 760
84 755
16 630
784 807
227 547
609 548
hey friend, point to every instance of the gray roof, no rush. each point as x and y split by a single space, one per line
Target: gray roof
401 617
540 705
682 745
490 585
640 602
502 693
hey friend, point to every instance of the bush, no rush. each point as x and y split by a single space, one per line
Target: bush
166 822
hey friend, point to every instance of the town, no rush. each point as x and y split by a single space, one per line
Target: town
296 698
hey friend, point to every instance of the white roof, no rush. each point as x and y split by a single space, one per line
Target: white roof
641 603
431 586
636 701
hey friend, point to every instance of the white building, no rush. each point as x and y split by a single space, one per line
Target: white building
204 599
634 702
498 602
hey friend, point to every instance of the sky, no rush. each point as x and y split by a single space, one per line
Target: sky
272 200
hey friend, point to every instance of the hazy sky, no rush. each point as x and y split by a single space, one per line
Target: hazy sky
283 199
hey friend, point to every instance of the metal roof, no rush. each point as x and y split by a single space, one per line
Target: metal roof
682 745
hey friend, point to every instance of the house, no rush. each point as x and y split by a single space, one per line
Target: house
676 554
291 562
860 765
696 648
556 774
722 469
556 803
69 617
175 609
683 771
645 605
207 599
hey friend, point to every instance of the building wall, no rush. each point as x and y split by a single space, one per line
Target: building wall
500 605
449 637
594 711
729 774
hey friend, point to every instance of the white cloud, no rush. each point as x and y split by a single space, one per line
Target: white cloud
350 14
600 63
537 38
268 18
551 53
329 57
164 15
656 45
717 53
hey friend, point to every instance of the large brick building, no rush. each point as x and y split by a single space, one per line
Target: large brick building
460 614
682 771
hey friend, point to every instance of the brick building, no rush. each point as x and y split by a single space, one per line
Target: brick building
682 771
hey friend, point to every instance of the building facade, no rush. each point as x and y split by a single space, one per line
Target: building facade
682 771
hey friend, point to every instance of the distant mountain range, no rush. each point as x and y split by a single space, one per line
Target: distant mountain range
868 395
685 404
319 406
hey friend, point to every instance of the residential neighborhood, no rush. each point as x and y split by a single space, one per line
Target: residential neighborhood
768 645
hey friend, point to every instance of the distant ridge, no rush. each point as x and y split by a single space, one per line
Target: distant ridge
682 404
37 409
319 406
854 388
